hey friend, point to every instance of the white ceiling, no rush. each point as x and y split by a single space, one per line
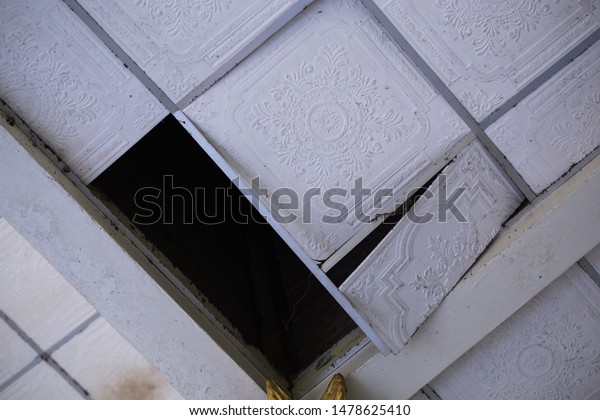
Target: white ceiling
330 98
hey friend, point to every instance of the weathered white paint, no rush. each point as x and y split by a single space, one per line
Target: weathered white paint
69 88
549 349
487 51
64 227
547 239
328 100
556 126
417 264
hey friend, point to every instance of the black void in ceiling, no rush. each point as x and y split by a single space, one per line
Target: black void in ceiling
224 247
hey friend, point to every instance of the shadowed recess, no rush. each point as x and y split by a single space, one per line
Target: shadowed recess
187 209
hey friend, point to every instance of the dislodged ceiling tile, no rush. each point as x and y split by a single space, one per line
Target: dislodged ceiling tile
549 349
69 88
486 51
419 262
180 43
556 126
326 109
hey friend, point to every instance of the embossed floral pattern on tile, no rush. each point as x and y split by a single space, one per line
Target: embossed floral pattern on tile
486 51
69 88
549 349
179 43
556 126
325 117
491 25
414 268
309 109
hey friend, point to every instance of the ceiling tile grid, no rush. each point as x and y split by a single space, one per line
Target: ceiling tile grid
329 100
549 349
419 262
556 126
33 291
108 367
69 88
15 353
487 51
40 383
180 43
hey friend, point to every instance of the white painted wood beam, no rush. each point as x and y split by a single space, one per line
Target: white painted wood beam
522 261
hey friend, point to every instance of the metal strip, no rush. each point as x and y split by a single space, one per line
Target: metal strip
67 377
281 231
590 270
6 384
77 330
556 185
42 356
21 333
120 53
430 393
447 94
541 79
223 69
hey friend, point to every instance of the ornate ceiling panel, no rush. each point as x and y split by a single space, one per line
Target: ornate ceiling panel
556 126
411 271
549 349
179 43
329 104
486 51
69 88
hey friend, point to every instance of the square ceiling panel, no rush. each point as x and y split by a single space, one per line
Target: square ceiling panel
328 104
179 43
69 88
488 50
549 349
419 262
556 126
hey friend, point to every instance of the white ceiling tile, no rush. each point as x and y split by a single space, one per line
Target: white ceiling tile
34 294
328 100
556 126
108 367
69 88
410 272
549 349
14 352
486 51
40 383
179 43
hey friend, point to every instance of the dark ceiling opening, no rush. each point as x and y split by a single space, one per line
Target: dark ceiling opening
181 202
